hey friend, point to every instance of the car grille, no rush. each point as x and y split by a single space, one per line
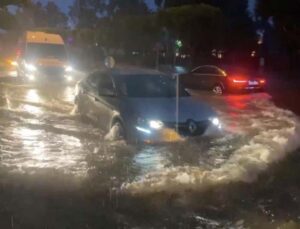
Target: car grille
185 130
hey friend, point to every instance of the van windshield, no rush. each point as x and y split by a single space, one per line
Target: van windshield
37 50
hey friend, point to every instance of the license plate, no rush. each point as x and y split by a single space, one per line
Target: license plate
253 83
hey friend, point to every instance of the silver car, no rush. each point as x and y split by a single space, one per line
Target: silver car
142 106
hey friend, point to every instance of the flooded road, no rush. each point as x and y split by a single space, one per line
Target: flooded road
58 167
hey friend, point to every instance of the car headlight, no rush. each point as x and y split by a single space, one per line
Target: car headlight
13 63
69 69
30 67
69 78
156 124
31 77
152 124
216 122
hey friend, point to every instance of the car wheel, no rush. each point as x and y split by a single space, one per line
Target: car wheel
117 131
218 89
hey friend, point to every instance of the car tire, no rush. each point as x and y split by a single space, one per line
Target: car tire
117 131
218 89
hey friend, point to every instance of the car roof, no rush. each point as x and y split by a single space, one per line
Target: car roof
44 38
209 66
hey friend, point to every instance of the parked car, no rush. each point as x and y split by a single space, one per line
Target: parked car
141 106
222 79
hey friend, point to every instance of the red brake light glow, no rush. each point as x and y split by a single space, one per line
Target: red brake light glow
238 79
262 81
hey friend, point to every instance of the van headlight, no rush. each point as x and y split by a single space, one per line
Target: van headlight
69 78
69 69
30 67
152 124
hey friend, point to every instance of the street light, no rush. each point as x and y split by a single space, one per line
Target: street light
178 45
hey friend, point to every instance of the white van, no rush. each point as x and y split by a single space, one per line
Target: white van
43 56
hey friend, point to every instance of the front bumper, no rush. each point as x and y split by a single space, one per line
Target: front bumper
173 133
39 76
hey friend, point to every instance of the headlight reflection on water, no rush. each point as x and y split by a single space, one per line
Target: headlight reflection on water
32 96
43 150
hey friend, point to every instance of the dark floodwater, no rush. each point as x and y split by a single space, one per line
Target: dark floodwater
57 171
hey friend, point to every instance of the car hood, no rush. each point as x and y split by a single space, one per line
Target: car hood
164 109
50 62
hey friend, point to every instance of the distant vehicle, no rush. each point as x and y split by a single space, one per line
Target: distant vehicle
221 80
140 106
7 67
43 56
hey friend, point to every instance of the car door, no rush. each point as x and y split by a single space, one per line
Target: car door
88 95
206 76
192 79
105 101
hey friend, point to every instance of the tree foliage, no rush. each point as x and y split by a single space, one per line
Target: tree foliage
198 26
240 31
35 15
286 18
84 13
4 3
7 20
128 7
55 17
130 32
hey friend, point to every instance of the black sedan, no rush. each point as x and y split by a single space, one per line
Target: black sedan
221 80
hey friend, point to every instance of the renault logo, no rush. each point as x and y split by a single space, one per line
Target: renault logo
192 127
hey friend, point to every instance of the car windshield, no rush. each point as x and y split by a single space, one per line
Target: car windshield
149 86
36 50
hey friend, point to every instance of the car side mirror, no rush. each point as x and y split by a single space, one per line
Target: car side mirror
106 92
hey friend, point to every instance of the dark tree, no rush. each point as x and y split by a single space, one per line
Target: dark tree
55 17
7 20
198 26
285 17
4 3
128 7
84 13
238 37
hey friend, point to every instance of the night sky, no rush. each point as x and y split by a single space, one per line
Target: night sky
64 5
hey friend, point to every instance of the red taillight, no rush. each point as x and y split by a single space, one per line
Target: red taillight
262 81
238 79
